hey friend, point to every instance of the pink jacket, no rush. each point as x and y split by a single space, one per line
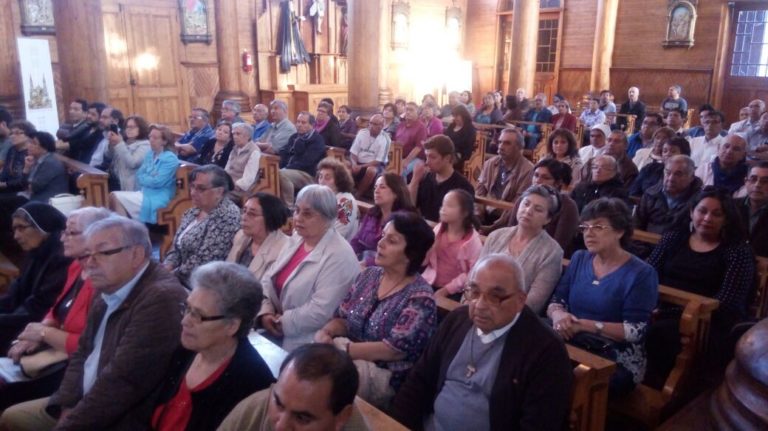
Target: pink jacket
468 254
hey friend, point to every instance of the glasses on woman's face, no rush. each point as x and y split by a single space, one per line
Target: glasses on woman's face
197 316
584 228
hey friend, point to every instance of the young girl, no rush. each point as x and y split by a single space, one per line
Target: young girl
457 245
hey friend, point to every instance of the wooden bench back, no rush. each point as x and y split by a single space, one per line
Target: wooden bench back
92 183
170 216
269 175
474 165
395 157
8 272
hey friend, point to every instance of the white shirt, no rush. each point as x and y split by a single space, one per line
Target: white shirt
497 333
703 150
590 152
369 149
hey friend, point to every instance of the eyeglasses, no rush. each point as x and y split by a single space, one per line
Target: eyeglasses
197 316
583 228
70 233
195 117
100 255
252 214
474 295
752 179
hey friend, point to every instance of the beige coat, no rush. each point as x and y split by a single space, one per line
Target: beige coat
268 252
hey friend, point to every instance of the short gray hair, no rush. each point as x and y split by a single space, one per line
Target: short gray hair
690 165
219 177
134 232
261 108
503 262
280 104
611 159
248 128
237 291
548 193
518 136
87 216
233 105
321 199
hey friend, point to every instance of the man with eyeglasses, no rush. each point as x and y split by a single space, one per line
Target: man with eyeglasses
754 110
299 157
230 112
12 179
604 182
505 176
200 132
493 364
666 202
754 208
757 140
133 328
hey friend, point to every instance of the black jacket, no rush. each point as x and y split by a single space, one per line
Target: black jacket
246 373
757 237
532 390
33 293
654 215
585 192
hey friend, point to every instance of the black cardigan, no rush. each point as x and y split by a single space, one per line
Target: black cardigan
246 373
533 385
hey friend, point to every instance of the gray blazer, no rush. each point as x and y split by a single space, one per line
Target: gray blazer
542 262
314 290
268 252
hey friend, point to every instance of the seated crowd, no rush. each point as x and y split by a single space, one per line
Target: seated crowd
345 269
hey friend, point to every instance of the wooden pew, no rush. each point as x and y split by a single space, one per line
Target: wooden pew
339 154
91 182
760 304
170 216
647 404
474 165
395 157
8 272
589 396
269 175
631 119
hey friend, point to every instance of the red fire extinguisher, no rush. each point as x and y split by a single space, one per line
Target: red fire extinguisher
247 62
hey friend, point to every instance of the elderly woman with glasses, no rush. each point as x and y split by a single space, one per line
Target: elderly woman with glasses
258 243
206 230
216 366
604 299
61 327
244 159
538 254
388 316
37 229
305 285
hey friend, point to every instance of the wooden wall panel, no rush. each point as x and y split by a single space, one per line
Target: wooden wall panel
654 82
573 84
579 33
639 37
203 81
480 35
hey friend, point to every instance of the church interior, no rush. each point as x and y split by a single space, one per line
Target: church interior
167 59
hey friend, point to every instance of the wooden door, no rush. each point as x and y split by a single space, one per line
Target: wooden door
746 77
146 79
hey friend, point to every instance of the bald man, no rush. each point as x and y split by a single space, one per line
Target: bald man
729 169
459 382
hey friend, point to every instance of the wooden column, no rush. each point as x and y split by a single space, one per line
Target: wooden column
385 94
82 53
228 54
363 57
525 35
602 53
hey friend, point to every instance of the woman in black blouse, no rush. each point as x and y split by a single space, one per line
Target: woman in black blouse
216 151
462 132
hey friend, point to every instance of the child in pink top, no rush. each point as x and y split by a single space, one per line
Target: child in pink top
457 245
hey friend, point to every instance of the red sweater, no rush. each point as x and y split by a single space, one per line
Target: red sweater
75 321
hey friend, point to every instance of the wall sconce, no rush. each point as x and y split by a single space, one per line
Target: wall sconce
453 25
401 13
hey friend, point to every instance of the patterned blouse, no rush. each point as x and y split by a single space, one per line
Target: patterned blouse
404 321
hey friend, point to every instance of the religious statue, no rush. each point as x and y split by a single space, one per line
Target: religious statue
680 23
290 45
317 10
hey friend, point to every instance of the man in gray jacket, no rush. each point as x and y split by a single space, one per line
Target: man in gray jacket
132 329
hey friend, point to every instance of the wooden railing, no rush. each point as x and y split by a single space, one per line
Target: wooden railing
92 183
170 216
395 157
474 166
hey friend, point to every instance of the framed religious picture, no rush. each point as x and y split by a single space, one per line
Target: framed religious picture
37 17
681 22
194 21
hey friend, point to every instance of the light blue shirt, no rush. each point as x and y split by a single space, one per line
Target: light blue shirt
113 301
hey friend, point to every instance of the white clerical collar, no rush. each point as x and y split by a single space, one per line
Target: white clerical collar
498 333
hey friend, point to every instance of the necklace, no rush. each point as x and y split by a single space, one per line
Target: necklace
380 297
472 365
